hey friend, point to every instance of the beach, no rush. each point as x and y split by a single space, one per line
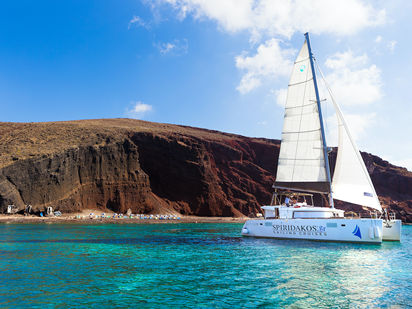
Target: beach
85 218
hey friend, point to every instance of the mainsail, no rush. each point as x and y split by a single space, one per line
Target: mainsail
301 164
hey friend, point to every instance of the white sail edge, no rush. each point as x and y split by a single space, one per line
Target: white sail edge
351 181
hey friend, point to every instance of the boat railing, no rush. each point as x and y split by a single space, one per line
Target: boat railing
362 214
370 214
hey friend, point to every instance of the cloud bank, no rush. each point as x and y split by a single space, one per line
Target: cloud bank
270 21
353 81
270 61
270 25
283 17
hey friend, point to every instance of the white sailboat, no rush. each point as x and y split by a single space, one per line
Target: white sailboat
303 169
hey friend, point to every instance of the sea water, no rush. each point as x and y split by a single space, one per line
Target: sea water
195 265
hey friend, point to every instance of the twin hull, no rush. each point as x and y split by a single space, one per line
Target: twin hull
346 230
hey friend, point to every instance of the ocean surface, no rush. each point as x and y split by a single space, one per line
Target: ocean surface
195 265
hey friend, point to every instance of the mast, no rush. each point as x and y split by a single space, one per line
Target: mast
322 129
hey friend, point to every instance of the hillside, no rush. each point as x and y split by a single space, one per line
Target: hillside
118 164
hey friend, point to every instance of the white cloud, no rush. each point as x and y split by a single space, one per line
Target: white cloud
378 39
391 45
346 60
138 110
231 15
358 125
403 163
136 20
177 47
269 62
265 19
271 23
352 80
283 17
281 95
166 47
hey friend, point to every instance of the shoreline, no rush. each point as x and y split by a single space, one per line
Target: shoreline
21 219
76 219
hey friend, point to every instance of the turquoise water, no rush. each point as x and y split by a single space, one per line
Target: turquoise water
195 265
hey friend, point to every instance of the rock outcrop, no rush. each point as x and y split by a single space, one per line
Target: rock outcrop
118 164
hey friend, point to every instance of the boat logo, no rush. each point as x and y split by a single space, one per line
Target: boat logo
357 232
302 68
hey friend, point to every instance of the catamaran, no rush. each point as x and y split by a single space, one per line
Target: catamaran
303 169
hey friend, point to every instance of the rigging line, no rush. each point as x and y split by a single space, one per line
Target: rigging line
326 105
325 86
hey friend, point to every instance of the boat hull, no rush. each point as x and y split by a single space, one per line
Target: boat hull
392 230
337 230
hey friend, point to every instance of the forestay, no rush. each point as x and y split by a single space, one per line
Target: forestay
301 162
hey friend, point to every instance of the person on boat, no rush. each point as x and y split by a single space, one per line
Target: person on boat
287 201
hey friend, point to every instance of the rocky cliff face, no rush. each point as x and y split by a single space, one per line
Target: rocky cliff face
118 164
104 176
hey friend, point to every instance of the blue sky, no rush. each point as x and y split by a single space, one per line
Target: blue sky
221 65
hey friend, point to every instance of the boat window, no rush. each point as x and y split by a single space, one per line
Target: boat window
276 213
311 214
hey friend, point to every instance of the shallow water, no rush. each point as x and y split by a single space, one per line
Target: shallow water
195 265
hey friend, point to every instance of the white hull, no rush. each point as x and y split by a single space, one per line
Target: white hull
339 230
392 230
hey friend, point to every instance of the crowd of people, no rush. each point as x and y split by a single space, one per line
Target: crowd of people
129 216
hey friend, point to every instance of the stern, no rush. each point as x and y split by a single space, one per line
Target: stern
391 230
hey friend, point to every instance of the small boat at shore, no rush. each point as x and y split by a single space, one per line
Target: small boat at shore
303 169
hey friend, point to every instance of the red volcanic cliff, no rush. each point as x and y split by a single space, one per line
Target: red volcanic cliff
118 164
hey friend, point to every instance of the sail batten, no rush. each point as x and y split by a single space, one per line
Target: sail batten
305 81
